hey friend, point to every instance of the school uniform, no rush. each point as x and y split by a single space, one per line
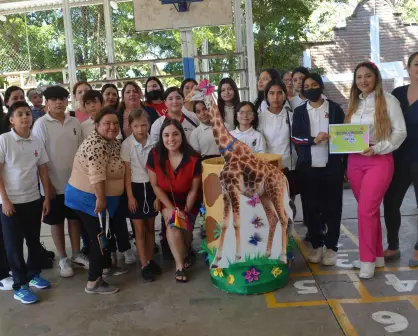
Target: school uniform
297 101
252 138
370 176
189 121
203 141
405 169
21 159
61 142
322 174
136 154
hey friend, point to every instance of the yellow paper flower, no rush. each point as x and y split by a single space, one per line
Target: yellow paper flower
231 279
218 273
276 272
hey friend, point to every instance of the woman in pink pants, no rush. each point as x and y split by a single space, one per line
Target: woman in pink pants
370 172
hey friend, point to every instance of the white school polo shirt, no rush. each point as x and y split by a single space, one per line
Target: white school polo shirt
276 131
203 141
188 127
87 126
61 142
296 101
251 138
319 122
21 158
133 152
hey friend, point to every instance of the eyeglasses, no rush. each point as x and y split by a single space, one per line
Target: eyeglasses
241 113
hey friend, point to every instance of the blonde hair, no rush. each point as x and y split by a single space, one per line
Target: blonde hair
382 121
137 114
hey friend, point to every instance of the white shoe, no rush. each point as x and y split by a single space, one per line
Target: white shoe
66 270
367 270
81 260
329 258
6 284
316 255
380 262
130 257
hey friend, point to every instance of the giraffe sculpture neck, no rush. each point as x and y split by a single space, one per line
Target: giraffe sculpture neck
223 138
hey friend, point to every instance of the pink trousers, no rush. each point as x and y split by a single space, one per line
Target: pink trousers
370 177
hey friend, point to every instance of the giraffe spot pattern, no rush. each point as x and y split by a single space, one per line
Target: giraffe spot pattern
213 189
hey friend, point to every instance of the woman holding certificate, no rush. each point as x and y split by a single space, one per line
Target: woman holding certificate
406 164
371 171
322 173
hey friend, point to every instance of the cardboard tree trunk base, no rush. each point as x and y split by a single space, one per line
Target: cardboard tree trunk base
252 272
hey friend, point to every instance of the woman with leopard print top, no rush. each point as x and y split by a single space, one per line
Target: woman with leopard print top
94 189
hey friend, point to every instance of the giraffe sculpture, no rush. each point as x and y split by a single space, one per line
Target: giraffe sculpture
245 174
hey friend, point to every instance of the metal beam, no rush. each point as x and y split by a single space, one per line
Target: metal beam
252 80
110 46
66 12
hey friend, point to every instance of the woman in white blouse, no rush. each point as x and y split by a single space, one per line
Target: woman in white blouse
370 172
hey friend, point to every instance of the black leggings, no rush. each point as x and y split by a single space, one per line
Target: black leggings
98 261
405 173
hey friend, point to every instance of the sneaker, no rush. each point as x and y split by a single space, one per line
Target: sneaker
25 295
130 257
367 270
114 271
147 273
102 287
39 282
380 262
329 258
6 284
48 254
316 255
66 270
155 268
81 260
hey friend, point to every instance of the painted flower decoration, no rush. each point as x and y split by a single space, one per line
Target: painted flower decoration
230 280
202 209
276 271
218 273
251 275
206 87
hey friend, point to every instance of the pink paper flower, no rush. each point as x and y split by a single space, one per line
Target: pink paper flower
251 275
206 87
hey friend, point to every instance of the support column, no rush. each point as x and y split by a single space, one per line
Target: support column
239 47
187 51
375 39
110 47
69 45
252 75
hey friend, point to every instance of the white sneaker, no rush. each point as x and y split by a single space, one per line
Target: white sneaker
81 260
6 284
329 258
130 257
316 255
380 262
66 270
367 270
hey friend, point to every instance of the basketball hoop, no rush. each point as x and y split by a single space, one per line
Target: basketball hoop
180 5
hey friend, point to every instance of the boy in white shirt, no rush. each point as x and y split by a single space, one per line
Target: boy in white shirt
246 122
22 157
92 102
202 139
61 136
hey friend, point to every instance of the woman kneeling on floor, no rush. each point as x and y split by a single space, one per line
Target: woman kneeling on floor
94 189
175 172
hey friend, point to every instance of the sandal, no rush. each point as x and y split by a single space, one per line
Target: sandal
180 276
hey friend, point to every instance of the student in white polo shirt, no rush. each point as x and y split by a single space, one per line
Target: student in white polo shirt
92 103
61 135
246 123
174 100
298 75
202 139
22 156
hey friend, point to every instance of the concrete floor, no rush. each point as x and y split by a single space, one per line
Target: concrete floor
317 301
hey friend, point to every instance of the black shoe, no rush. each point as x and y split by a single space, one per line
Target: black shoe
85 251
47 254
46 263
155 268
147 274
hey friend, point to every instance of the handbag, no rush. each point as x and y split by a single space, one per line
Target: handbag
292 175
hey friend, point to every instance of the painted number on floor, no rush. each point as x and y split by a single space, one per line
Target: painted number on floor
395 322
402 286
302 287
343 262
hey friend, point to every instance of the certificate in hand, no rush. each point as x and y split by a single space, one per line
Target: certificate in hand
348 138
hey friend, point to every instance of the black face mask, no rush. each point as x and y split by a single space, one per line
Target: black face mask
154 95
313 94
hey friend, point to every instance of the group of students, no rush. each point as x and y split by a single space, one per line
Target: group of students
110 160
